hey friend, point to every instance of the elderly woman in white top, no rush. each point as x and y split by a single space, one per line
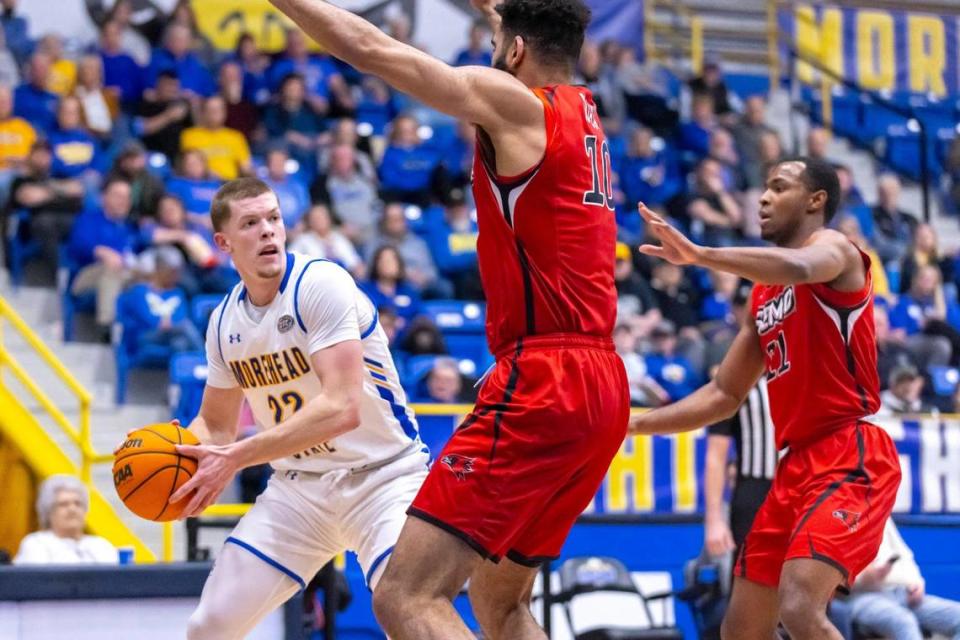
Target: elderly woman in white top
62 506
100 105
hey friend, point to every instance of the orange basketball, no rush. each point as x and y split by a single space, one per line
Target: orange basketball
147 470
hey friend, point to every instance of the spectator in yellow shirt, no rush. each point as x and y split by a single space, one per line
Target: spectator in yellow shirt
16 134
226 149
63 72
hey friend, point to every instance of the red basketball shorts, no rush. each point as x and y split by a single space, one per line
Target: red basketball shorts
528 460
830 500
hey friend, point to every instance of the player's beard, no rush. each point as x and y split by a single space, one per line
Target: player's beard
501 64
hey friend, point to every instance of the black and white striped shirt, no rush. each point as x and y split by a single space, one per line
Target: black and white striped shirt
752 431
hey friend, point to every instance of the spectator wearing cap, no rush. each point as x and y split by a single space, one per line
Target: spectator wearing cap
76 153
321 238
292 194
146 188
52 203
120 71
163 115
16 31
893 227
227 151
194 186
453 245
351 194
419 267
177 55
644 390
636 304
903 395
409 171
323 82
292 120
62 505
32 100
674 373
103 244
156 312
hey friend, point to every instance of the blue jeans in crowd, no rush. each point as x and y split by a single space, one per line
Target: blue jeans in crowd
887 612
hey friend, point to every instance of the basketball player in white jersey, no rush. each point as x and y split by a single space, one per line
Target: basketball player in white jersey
301 343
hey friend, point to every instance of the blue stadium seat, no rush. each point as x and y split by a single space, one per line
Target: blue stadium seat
129 355
20 246
456 316
188 376
201 307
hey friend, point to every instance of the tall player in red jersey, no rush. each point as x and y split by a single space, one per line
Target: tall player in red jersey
811 334
512 480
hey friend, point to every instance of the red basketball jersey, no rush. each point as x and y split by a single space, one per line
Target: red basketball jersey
547 236
821 353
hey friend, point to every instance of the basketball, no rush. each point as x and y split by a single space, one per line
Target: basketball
147 470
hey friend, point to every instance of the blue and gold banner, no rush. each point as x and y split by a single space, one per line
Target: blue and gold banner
664 475
895 51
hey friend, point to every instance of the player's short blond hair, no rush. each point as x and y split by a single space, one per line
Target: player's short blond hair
240 189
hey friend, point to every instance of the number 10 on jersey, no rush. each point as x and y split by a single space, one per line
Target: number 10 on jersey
602 194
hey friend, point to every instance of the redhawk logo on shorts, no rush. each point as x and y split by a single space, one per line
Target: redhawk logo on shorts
849 518
459 465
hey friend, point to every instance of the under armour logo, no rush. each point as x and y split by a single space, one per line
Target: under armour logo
460 465
234 337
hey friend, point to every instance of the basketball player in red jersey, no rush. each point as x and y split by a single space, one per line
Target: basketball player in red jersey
811 334
512 480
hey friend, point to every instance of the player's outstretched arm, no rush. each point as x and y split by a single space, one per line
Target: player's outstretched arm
827 257
716 400
488 97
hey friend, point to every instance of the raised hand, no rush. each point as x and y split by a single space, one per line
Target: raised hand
674 246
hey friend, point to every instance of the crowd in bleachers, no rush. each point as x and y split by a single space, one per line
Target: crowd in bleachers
111 152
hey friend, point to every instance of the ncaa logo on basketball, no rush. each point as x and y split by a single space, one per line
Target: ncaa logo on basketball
122 475
775 311
285 323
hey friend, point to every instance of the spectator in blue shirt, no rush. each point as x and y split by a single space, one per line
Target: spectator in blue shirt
16 30
408 170
291 192
194 186
75 150
256 89
32 101
294 122
478 51
458 155
925 310
177 55
321 76
377 106
695 133
387 285
672 372
156 312
453 244
120 70
647 174
102 245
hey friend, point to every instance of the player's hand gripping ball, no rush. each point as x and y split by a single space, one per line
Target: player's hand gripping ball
147 470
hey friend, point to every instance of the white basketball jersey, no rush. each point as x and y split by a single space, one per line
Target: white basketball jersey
318 306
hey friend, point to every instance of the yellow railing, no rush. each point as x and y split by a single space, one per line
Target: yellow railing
693 23
79 434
